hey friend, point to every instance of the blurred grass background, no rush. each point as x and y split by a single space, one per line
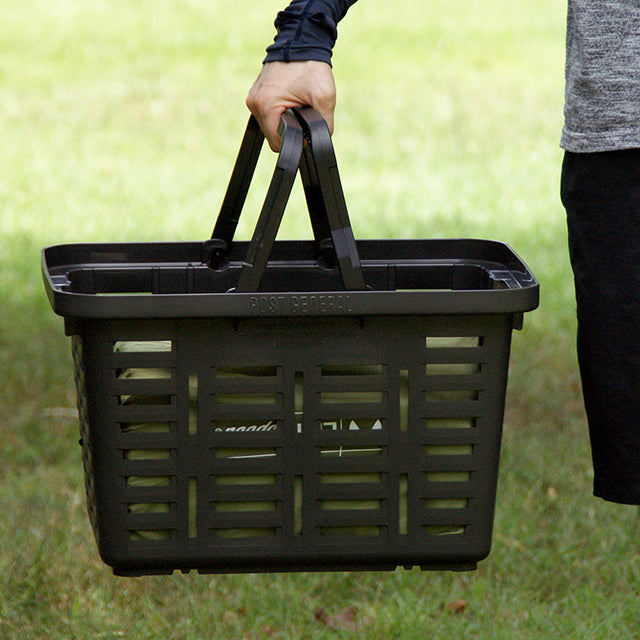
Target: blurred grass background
121 121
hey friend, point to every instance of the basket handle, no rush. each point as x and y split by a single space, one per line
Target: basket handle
323 191
325 198
217 248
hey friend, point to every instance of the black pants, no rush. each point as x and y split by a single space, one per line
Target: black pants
601 194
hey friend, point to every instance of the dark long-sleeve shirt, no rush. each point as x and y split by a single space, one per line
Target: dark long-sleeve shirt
307 30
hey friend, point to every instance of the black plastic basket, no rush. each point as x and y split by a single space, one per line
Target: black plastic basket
280 406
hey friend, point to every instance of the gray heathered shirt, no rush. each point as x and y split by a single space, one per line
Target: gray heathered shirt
602 102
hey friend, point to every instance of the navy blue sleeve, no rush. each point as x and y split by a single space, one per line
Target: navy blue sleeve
307 30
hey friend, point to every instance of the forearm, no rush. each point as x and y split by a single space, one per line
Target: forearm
307 30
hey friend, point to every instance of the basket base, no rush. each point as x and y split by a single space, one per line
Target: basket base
456 568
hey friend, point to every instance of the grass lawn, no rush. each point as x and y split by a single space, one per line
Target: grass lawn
121 121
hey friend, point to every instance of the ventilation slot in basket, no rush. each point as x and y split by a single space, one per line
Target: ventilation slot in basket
246 418
246 490
453 386
447 487
246 399
353 407
151 507
146 389
351 504
352 397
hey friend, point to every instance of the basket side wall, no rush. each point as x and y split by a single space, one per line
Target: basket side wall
292 443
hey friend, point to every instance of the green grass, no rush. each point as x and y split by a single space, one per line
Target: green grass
120 121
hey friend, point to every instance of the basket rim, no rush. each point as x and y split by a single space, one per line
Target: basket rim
516 289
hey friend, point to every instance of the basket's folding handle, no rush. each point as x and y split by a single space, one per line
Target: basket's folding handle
325 200
218 246
270 217
237 189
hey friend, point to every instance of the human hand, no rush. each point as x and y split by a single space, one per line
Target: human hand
284 85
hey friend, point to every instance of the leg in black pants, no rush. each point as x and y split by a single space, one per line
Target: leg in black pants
601 194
